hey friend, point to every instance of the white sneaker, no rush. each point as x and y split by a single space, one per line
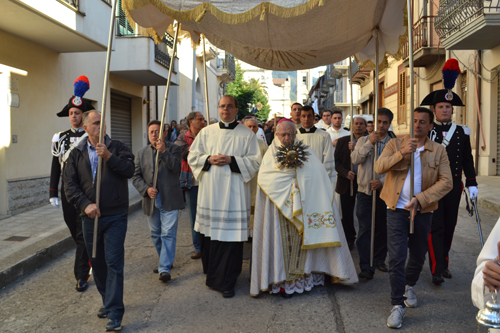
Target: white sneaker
396 318
411 297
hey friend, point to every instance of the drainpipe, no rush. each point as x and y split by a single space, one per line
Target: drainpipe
193 88
148 113
156 101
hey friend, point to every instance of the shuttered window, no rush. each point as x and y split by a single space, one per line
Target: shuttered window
402 97
121 119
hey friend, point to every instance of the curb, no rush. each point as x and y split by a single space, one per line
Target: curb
45 255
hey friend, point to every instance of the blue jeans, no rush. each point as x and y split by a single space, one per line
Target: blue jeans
108 264
364 214
192 201
163 226
399 241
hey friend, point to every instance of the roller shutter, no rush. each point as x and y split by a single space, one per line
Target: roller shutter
121 119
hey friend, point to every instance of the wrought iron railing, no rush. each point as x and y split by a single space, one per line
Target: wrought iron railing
162 56
229 64
453 15
72 3
423 35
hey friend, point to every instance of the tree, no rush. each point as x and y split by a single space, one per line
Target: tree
248 95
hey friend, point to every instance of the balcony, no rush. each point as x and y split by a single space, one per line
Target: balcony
469 24
58 25
226 68
359 75
138 59
426 45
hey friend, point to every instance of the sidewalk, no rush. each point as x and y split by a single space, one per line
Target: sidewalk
489 193
31 239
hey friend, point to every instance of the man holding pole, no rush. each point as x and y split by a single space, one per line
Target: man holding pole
224 157
164 215
344 177
79 184
432 180
456 140
362 156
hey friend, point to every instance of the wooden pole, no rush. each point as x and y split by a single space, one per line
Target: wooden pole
412 134
103 119
375 148
205 76
352 121
170 69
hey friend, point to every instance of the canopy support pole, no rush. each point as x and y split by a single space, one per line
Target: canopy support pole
375 147
205 76
352 120
412 134
103 119
164 111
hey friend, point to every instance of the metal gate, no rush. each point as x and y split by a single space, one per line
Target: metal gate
121 119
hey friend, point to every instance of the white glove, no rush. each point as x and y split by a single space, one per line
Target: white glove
473 192
54 202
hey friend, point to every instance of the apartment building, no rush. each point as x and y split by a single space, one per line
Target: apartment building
45 45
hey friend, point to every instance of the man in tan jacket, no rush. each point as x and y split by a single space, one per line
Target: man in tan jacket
432 180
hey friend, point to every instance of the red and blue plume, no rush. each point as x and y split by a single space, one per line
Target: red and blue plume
81 85
450 73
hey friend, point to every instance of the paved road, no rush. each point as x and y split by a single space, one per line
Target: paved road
46 300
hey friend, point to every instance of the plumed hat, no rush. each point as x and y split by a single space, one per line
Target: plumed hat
450 74
76 101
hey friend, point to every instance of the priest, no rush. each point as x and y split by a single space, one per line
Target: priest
318 140
298 237
224 157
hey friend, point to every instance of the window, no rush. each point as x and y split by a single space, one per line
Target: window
402 97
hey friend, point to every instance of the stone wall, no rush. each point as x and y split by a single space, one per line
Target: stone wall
27 193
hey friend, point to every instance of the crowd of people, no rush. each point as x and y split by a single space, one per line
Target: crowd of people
291 186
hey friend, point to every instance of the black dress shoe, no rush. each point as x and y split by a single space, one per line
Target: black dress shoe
165 276
81 286
228 293
286 296
366 274
382 267
101 313
446 274
437 280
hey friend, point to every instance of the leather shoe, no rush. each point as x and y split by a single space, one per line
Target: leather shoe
101 313
286 296
437 280
446 274
366 274
382 267
228 293
196 255
165 276
81 285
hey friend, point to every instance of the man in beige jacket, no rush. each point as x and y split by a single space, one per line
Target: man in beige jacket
432 180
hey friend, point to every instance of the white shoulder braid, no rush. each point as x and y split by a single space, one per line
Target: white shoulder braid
467 129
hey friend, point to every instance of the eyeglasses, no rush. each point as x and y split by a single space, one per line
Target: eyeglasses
229 106
154 132
283 135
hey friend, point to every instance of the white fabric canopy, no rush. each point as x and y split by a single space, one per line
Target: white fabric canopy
280 34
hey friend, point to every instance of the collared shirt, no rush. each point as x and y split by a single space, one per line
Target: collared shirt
92 157
404 198
381 145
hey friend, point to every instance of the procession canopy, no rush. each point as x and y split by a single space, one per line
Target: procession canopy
280 34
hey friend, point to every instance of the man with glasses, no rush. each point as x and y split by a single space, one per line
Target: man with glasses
167 196
224 157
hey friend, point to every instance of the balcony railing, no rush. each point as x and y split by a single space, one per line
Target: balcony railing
423 35
162 56
229 64
453 15
73 3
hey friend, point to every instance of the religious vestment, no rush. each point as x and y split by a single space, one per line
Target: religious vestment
253 186
319 141
297 234
223 208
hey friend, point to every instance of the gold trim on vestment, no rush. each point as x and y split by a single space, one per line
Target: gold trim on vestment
317 246
293 255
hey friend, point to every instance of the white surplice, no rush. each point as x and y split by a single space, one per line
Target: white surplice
320 142
253 185
223 209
